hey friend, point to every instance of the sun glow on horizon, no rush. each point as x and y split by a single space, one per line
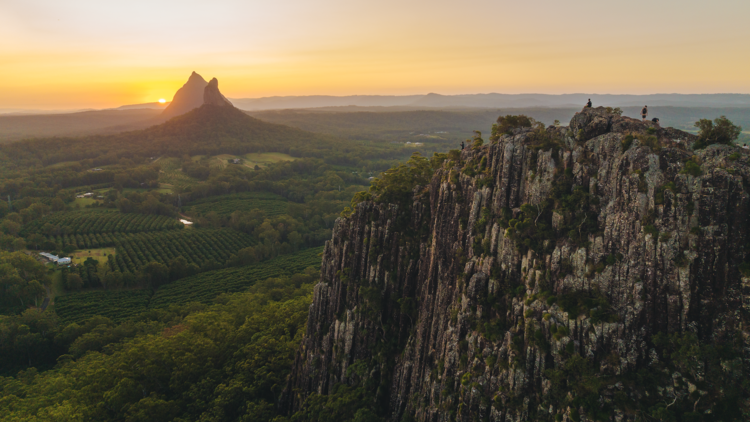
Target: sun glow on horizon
162 101
89 54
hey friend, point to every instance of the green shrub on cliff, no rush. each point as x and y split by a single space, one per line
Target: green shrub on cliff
395 186
627 141
692 168
719 131
506 124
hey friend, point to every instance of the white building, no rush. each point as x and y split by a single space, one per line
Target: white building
55 258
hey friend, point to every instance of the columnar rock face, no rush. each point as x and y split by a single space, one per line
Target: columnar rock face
187 98
212 96
572 273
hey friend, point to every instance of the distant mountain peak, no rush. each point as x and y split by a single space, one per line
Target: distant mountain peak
189 97
212 95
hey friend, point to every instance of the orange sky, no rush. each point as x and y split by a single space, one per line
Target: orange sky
84 53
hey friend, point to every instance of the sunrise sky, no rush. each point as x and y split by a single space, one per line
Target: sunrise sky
84 53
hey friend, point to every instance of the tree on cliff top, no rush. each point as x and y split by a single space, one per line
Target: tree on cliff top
720 131
506 124
395 186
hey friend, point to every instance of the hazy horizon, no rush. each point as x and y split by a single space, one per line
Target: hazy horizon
87 54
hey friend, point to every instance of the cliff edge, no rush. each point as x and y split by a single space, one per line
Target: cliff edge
589 272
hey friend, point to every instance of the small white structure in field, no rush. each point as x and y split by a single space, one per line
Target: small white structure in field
185 222
63 261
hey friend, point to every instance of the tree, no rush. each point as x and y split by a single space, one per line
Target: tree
720 131
58 204
506 124
36 240
395 186
178 268
74 282
154 274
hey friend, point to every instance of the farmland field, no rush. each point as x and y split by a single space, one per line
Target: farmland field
117 304
196 246
101 221
271 204
120 305
206 286
134 250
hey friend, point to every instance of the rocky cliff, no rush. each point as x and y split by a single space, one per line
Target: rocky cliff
212 95
589 272
188 97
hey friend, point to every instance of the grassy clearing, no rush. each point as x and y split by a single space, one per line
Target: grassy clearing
100 255
57 288
265 158
224 205
82 202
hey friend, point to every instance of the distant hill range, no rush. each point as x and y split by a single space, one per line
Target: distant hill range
494 101
392 118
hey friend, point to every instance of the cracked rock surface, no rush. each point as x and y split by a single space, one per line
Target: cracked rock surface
454 321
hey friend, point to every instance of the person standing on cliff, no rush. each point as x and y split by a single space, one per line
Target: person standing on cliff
462 146
644 113
588 104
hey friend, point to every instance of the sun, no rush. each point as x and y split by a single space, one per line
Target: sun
162 101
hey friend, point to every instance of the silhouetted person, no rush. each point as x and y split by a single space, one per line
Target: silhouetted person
644 113
588 104
462 146
655 120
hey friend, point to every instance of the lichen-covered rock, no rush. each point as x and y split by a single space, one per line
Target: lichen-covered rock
560 281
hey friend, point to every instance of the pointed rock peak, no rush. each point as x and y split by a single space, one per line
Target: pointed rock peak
212 95
194 77
188 97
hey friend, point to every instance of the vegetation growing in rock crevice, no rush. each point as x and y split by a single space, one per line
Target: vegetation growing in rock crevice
577 210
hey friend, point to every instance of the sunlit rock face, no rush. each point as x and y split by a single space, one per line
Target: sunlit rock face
530 278
187 98
212 95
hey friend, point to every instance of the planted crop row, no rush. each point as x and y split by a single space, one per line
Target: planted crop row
88 222
120 305
223 205
133 251
206 286
116 305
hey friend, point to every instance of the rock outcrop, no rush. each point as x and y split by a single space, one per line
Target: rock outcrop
195 93
212 95
589 272
187 98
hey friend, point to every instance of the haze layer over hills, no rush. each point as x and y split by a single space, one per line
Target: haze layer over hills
394 118
494 100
